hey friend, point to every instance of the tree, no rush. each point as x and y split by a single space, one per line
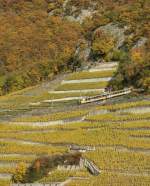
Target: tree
102 43
20 173
137 55
134 70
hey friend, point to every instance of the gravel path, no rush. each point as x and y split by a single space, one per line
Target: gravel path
5 176
104 67
15 155
136 110
30 142
77 91
49 123
127 172
123 148
7 164
63 99
92 80
132 128
23 142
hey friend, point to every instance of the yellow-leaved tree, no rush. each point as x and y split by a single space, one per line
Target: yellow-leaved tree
103 43
20 173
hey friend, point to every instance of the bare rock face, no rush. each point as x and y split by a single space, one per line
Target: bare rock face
141 42
78 14
65 4
85 14
115 31
82 16
83 50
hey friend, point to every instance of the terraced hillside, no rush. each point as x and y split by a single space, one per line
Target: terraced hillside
89 82
120 139
117 132
68 87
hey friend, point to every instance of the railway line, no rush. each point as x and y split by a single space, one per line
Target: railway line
107 95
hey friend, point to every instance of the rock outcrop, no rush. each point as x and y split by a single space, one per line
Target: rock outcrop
116 31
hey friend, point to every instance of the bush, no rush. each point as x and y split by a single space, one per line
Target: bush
119 55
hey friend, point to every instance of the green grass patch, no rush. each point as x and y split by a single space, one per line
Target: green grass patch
82 86
65 95
91 75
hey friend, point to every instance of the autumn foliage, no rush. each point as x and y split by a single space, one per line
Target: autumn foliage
37 40
33 45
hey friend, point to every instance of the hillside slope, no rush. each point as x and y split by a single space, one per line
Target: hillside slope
39 39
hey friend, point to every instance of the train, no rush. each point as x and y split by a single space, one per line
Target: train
106 95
